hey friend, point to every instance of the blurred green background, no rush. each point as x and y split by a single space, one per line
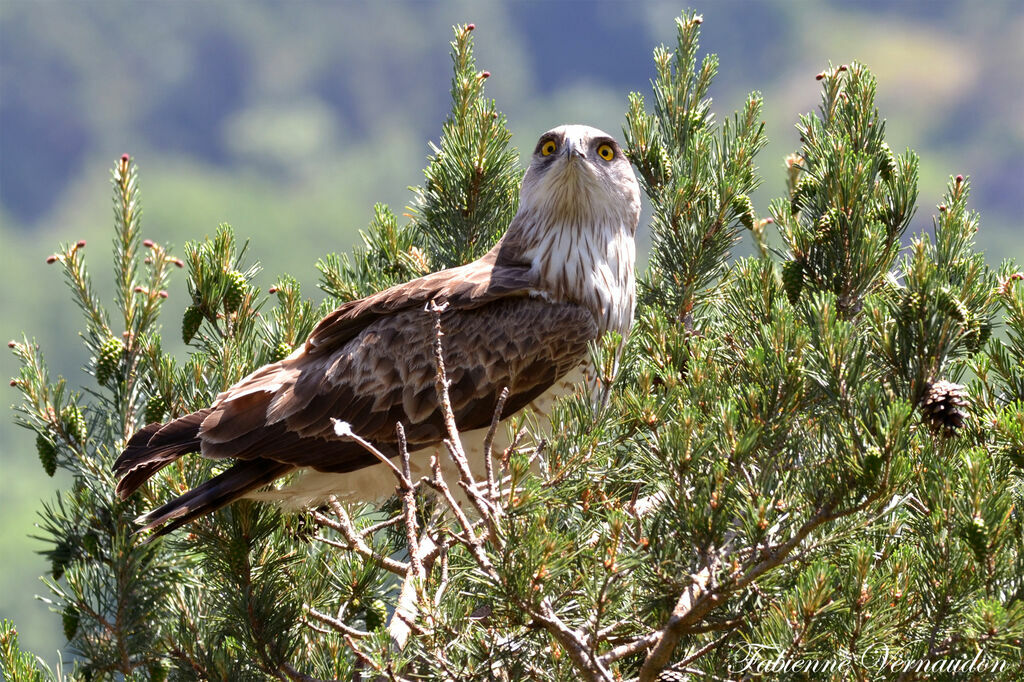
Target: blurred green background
290 119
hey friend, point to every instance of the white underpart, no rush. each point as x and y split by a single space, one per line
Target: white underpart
376 483
578 234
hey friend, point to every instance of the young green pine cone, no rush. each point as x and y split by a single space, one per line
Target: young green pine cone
827 224
155 409
74 423
951 304
376 614
47 454
91 543
978 334
963 313
237 288
793 280
976 535
664 164
872 465
744 208
888 166
805 187
190 323
912 305
109 359
280 352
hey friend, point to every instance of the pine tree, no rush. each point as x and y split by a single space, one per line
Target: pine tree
814 455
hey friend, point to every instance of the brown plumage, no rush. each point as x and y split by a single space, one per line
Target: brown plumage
520 317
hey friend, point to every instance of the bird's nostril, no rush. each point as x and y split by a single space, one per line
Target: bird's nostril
573 149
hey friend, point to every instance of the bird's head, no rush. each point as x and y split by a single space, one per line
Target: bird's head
577 218
579 175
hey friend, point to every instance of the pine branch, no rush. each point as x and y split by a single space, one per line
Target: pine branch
471 184
697 181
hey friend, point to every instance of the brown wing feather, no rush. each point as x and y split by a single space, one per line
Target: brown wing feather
385 374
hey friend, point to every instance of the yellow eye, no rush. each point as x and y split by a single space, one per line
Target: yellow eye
548 148
606 152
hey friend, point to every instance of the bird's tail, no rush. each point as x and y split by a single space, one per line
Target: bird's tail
155 446
244 476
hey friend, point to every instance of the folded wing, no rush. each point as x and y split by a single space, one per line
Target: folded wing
371 364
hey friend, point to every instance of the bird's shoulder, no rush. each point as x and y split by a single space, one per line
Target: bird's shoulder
464 287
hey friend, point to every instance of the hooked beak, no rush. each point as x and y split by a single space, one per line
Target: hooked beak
572 151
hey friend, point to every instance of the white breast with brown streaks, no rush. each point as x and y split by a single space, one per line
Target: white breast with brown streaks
375 483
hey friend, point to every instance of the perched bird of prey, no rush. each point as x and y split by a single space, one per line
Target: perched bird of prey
520 317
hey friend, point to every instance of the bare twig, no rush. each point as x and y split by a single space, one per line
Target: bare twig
604 633
335 623
472 541
492 489
454 442
592 667
442 585
422 552
356 542
730 624
316 628
703 650
513 446
631 647
343 430
370 530
333 543
408 493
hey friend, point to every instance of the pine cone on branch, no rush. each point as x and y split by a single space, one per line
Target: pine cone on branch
190 323
47 454
156 407
236 291
109 359
793 280
942 407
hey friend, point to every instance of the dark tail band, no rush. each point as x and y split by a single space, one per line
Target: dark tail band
226 487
